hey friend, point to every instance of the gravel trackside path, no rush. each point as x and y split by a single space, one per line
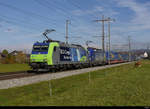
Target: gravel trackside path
4 84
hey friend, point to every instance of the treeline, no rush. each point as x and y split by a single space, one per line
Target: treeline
13 57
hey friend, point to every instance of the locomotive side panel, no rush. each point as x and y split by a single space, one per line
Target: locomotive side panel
56 58
67 54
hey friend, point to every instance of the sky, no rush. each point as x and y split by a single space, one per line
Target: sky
22 22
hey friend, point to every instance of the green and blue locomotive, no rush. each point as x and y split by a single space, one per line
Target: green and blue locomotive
57 55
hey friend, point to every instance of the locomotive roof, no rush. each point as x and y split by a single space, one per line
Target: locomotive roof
61 43
70 45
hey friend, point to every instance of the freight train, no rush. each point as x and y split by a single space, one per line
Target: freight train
56 55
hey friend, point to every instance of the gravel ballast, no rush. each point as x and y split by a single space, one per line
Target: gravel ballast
5 84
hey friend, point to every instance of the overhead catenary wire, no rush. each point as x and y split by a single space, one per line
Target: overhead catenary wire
75 4
16 23
19 21
50 7
29 14
66 10
79 8
45 19
62 11
57 9
71 19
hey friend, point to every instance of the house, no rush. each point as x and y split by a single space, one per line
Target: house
20 56
148 52
14 53
145 54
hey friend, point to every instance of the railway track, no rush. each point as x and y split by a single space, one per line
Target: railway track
21 74
11 75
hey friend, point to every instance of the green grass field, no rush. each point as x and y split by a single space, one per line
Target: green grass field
118 86
13 67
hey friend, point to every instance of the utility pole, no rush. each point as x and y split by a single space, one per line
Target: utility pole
67 22
109 19
103 33
129 39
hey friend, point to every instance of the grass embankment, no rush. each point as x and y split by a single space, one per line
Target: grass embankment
13 67
118 86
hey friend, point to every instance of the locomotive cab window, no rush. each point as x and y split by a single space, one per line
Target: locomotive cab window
44 48
40 48
36 48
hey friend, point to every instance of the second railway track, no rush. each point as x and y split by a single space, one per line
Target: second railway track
11 75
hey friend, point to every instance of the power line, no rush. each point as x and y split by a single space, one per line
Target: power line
49 6
31 14
31 25
63 11
73 18
60 10
77 6
26 27
12 22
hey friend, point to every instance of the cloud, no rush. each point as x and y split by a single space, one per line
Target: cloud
95 10
141 14
79 12
98 8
